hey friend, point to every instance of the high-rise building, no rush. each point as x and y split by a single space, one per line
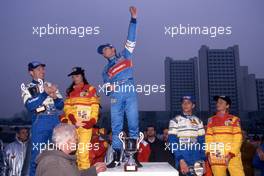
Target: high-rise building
181 78
247 85
218 75
214 72
260 93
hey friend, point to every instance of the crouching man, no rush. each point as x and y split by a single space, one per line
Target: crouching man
60 159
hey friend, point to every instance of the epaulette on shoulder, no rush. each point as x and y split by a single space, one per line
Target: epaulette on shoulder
176 118
198 119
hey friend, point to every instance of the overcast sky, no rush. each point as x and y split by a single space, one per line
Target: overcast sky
19 46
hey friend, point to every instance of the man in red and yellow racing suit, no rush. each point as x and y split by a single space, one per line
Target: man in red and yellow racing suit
224 139
81 109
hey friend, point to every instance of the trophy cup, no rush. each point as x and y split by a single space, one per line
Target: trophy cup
131 146
197 169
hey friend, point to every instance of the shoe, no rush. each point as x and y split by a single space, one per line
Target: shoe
136 160
116 160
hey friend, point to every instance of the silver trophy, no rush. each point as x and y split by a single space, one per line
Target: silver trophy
131 146
197 169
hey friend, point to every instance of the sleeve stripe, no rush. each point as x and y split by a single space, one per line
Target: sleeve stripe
130 46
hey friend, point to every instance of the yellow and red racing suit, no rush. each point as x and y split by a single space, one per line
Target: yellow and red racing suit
82 105
224 138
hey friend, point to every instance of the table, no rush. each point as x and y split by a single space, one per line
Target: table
148 169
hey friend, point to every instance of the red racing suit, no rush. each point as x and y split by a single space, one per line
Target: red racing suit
99 147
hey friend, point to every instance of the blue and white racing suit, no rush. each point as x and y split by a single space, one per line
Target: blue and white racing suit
119 72
42 122
187 139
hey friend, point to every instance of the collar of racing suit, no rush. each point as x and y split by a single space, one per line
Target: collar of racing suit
114 58
186 115
35 81
219 114
111 59
79 86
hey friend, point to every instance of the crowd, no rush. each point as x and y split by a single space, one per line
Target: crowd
15 157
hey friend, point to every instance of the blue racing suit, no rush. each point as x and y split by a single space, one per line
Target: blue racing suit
187 139
42 122
119 72
257 162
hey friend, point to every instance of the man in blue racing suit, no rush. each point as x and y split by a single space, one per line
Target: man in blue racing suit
187 138
119 84
43 100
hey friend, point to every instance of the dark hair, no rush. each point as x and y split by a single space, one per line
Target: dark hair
151 126
70 88
166 128
18 129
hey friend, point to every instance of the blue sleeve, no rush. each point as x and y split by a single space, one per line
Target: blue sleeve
257 162
33 103
173 139
59 103
131 39
201 141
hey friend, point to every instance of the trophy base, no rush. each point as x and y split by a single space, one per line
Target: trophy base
130 168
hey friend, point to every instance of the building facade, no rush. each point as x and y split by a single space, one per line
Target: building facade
260 93
213 72
181 78
218 75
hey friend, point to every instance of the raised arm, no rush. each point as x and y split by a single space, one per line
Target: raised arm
131 37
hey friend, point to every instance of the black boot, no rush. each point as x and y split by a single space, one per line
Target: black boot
116 160
136 160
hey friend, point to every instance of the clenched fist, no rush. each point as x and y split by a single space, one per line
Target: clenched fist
133 11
